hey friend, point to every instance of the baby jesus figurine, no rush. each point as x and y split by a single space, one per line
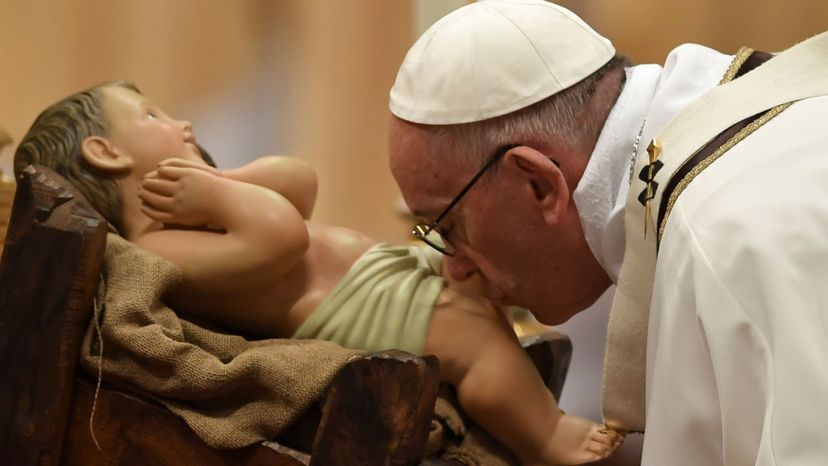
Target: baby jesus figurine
254 262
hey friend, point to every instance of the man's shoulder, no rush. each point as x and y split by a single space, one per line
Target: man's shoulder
768 182
695 63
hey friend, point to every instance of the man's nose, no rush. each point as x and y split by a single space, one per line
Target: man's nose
460 267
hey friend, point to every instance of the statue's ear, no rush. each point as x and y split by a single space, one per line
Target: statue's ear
98 152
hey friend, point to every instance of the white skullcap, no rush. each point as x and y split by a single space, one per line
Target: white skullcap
491 58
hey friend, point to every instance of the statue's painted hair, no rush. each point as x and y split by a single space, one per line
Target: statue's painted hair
55 139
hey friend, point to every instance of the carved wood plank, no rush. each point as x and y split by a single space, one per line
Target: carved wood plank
7 188
378 412
48 274
132 431
551 351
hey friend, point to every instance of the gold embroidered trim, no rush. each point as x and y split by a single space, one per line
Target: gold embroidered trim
735 65
745 132
738 60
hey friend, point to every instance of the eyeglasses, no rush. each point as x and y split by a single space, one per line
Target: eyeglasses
430 233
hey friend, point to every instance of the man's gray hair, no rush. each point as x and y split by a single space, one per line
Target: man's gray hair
564 115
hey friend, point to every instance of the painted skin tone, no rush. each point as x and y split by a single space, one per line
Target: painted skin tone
218 227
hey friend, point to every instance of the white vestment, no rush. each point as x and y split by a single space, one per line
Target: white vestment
738 334
736 358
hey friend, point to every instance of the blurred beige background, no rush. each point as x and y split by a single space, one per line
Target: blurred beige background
310 78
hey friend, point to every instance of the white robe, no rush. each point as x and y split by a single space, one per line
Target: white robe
651 97
738 337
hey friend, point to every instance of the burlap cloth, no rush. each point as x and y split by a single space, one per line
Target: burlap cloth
231 391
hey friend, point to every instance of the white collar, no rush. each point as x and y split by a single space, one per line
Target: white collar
602 189
651 97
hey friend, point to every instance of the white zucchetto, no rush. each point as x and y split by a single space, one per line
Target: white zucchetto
493 57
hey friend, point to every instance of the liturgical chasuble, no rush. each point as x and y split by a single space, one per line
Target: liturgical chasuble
665 166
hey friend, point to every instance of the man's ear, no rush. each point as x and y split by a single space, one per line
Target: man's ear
98 152
544 179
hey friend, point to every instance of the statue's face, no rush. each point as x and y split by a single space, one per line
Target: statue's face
141 130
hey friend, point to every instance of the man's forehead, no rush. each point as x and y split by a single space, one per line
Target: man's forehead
428 191
428 178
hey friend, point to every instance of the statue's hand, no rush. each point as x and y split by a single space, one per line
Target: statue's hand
178 194
186 163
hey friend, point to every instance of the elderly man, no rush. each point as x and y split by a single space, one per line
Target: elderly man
543 164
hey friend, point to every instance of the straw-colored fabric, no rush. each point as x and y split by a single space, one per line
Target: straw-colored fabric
232 392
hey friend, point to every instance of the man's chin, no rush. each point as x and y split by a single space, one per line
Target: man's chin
551 311
555 319
550 314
